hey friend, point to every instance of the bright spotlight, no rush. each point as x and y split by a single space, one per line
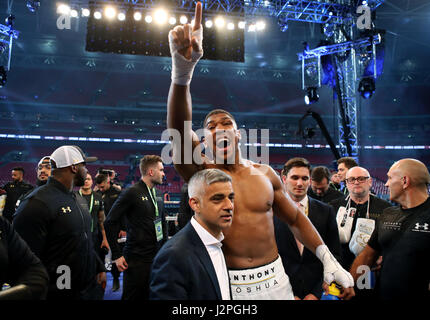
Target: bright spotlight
121 16
85 12
251 28
137 16
160 16
260 25
241 24
74 13
183 20
110 12
230 26
148 18
219 22
63 9
172 20
97 15
209 23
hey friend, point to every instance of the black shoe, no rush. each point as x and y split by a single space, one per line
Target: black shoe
115 285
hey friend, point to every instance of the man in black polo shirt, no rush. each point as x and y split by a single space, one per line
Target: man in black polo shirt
146 228
58 231
14 190
109 194
402 236
93 201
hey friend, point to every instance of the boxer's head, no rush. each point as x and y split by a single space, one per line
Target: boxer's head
222 135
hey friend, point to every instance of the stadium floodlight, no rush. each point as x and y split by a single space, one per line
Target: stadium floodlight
97 15
219 22
148 18
85 12
160 16
172 20
137 16
110 12
183 19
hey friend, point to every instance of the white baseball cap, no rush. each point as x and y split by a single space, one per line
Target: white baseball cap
66 156
44 158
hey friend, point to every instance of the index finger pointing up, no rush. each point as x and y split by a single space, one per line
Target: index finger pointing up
198 16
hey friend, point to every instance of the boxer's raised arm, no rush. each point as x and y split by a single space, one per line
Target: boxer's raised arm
186 50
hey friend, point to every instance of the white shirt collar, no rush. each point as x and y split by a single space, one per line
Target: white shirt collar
205 236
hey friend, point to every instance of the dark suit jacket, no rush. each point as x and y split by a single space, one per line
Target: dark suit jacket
306 271
183 270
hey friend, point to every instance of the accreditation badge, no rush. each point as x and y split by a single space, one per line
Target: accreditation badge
158 229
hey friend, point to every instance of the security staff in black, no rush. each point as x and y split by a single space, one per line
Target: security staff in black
109 194
57 230
146 229
14 190
20 266
402 236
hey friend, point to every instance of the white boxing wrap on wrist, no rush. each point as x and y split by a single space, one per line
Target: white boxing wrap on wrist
182 68
333 271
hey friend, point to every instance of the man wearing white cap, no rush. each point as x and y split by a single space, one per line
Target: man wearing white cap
58 231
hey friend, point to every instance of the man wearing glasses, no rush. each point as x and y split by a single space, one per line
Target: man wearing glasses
359 207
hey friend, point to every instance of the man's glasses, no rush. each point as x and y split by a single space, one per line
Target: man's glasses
352 180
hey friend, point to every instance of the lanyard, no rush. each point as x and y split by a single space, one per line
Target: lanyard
91 209
348 205
153 198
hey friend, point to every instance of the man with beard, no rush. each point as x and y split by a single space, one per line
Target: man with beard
43 172
14 190
58 231
146 228
249 245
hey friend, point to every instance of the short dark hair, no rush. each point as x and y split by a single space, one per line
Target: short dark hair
295 162
217 111
348 162
147 161
101 178
319 173
19 169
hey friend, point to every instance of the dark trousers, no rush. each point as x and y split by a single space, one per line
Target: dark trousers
136 280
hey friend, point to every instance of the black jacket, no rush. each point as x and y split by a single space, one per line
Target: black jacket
183 270
58 231
306 271
18 265
14 190
136 205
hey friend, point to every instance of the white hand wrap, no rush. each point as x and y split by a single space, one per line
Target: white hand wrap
333 271
182 69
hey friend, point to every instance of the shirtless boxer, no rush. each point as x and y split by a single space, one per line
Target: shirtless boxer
255 268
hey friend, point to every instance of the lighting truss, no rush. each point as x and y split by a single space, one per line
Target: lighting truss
339 48
346 68
7 35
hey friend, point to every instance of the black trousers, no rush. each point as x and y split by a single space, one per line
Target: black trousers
136 280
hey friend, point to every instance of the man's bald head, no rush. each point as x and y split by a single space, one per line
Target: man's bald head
414 169
358 182
357 171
